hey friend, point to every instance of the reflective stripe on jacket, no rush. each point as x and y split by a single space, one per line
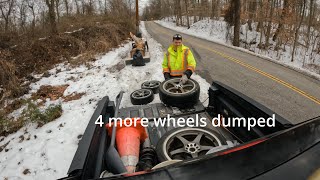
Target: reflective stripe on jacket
177 62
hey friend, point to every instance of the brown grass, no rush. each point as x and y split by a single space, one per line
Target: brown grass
31 114
8 126
21 55
8 78
16 104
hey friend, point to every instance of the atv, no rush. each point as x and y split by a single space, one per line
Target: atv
138 58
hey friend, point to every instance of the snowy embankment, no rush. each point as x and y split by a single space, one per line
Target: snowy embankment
217 31
47 152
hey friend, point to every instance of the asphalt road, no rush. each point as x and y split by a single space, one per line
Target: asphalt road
290 94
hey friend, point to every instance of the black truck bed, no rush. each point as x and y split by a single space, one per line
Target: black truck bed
89 160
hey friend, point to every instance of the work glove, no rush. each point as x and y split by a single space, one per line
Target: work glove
184 79
166 75
188 72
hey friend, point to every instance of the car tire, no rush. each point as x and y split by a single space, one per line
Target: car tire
141 96
152 85
180 100
169 139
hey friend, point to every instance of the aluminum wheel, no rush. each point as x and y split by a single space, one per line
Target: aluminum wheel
187 143
141 96
173 86
141 93
173 94
152 85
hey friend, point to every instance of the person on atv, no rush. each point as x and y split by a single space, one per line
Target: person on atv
139 44
178 61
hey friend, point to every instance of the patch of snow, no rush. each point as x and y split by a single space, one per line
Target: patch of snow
74 31
48 151
16 113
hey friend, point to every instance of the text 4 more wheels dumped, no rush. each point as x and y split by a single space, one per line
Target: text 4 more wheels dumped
173 93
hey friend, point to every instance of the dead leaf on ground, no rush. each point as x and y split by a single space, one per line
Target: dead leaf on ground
74 96
51 92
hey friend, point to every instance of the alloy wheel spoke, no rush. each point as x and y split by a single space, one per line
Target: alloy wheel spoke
171 88
182 90
183 140
198 138
173 84
177 151
203 148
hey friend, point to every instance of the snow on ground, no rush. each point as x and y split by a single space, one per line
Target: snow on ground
217 31
50 149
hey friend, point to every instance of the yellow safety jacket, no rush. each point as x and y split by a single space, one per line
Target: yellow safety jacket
177 62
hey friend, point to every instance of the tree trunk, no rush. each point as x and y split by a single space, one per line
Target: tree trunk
260 16
252 11
33 24
77 6
236 30
57 9
22 15
66 4
311 16
105 7
269 23
213 8
188 23
297 29
52 16
175 12
6 16
218 9
179 12
282 19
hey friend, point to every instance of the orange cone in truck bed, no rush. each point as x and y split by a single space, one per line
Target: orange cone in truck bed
128 141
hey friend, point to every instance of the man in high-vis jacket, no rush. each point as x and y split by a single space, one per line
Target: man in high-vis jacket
178 61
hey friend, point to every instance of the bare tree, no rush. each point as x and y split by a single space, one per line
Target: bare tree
22 12
105 7
52 16
271 3
300 14
6 8
285 11
57 9
77 5
177 7
311 17
187 13
252 12
66 4
33 24
237 12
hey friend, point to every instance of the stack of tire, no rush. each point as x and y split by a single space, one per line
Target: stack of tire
145 95
179 99
170 93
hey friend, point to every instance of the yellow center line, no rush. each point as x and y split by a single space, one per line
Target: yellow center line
286 84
